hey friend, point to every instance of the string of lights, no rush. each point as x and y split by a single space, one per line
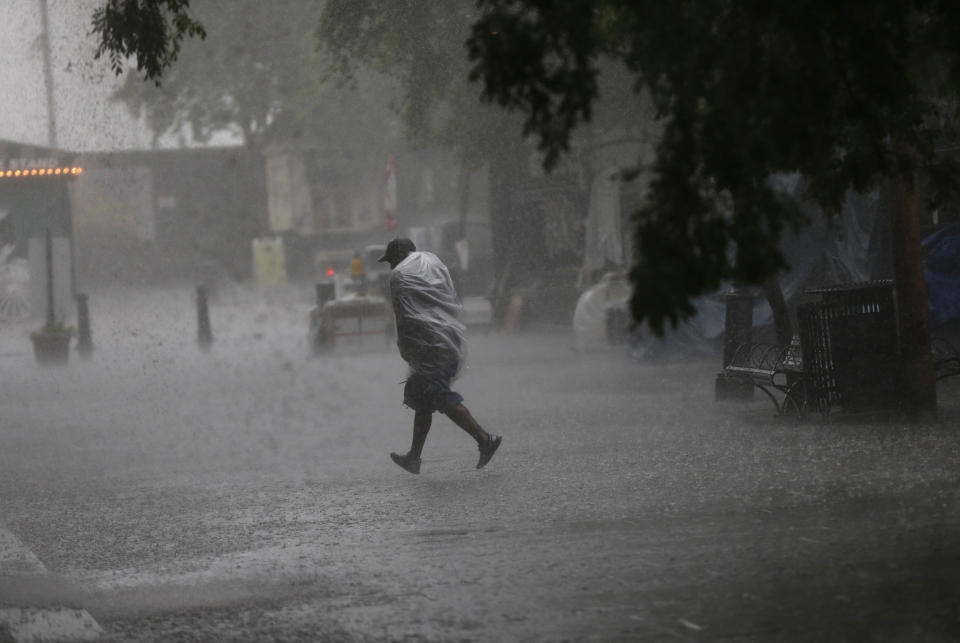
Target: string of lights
45 171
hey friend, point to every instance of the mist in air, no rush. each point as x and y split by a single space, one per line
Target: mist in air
202 385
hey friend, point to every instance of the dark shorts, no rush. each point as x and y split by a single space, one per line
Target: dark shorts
431 392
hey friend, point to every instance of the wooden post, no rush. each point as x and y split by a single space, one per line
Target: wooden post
204 333
913 308
738 322
48 251
738 329
84 336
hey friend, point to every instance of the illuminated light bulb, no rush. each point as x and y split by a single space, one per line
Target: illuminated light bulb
33 172
56 171
42 171
17 173
79 170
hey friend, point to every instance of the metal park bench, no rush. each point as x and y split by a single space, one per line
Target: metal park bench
775 370
846 356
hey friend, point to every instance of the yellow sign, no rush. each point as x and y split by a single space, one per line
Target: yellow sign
269 263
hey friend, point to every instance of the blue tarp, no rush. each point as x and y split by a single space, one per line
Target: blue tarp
856 248
942 273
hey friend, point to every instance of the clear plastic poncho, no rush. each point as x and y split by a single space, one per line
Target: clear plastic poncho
430 335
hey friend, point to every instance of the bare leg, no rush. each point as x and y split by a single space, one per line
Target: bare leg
462 418
421 427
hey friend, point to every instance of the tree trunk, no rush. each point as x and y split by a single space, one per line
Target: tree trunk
505 169
781 315
919 381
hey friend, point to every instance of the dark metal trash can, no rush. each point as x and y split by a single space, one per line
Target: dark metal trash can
851 348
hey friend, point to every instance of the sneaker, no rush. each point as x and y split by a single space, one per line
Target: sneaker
410 464
487 448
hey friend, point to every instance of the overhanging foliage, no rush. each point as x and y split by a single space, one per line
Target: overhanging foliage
848 94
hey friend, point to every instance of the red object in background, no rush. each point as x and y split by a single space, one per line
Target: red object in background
331 272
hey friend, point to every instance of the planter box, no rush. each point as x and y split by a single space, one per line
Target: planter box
51 348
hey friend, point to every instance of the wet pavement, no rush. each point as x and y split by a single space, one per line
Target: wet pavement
245 493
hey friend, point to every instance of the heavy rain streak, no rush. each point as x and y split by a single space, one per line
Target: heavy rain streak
474 321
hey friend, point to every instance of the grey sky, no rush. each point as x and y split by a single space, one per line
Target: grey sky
86 118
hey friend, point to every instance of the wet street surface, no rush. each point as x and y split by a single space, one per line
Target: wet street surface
246 493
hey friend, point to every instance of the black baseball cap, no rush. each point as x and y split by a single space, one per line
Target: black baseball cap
398 249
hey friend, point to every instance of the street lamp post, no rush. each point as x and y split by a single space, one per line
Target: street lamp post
48 76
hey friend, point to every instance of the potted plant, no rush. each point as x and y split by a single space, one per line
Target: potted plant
51 344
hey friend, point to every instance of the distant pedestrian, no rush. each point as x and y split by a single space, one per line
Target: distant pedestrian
433 342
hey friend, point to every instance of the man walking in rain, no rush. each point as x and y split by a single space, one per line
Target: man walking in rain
433 341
